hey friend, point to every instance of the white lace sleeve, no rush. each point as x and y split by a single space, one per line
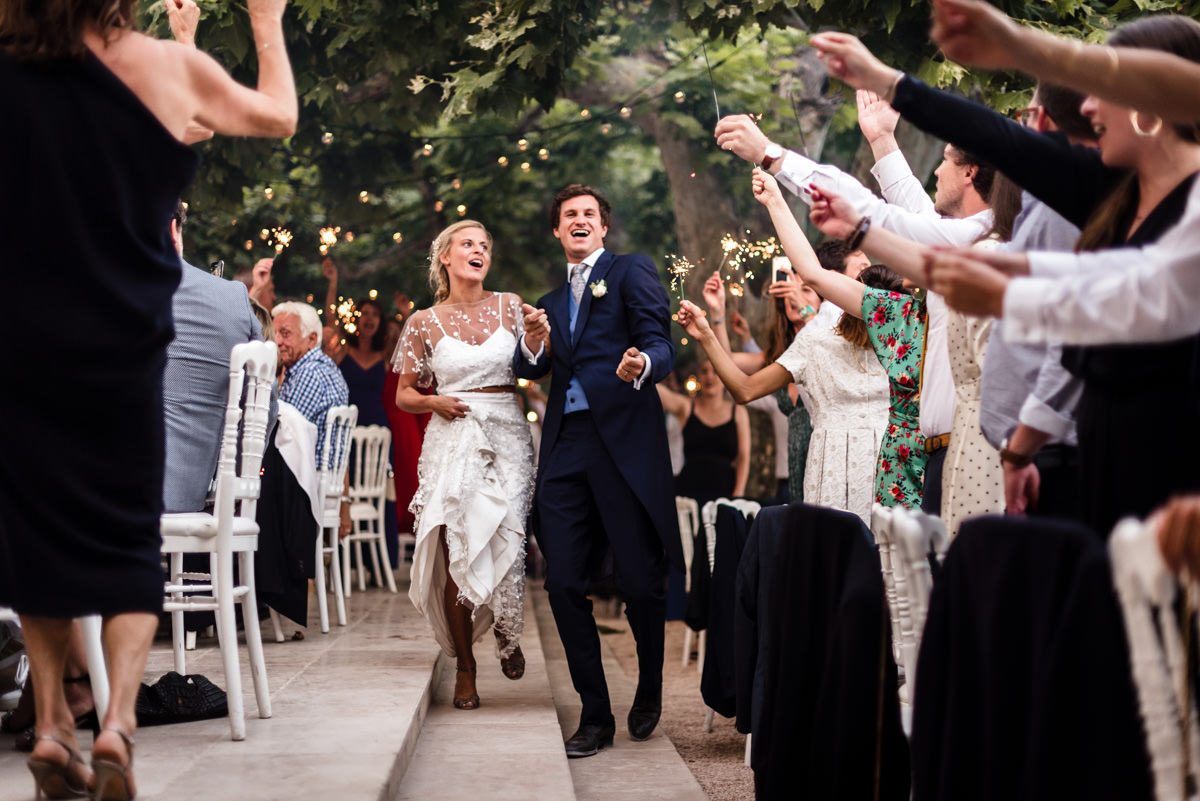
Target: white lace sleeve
511 316
415 350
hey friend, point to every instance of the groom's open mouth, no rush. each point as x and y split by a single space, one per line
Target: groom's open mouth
581 233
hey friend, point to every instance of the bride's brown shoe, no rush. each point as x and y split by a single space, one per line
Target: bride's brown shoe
466 701
513 665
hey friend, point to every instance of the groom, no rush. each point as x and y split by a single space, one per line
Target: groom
604 480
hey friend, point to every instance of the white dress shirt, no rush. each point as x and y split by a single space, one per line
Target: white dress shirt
1149 294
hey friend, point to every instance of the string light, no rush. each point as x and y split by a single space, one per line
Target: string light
374 293
626 112
502 161
397 237
461 209
605 128
263 234
692 384
439 205
524 166
531 416
679 97
543 154
363 196
269 193
522 144
349 237
249 245
683 340
456 184
585 114
327 138
427 149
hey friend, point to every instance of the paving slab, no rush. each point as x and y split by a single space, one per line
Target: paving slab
348 707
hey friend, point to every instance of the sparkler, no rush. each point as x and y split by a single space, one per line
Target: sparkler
329 238
280 239
679 269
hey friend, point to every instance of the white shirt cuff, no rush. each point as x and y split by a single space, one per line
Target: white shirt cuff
1036 414
637 382
529 355
891 169
1022 310
1044 264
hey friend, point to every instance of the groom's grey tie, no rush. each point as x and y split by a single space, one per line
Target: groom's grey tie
577 281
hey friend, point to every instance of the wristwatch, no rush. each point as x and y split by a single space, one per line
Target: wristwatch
1012 457
770 156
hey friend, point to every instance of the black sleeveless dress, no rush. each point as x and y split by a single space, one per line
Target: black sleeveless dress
88 181
708 454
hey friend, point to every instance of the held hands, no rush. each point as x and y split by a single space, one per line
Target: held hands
714 295
740 134
183 17
632 364
849 60
537 327
833 214
692 319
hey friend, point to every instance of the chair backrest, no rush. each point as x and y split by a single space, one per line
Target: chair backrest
882 518
689 523
1147 592
708 516
251 374
370 448
335 454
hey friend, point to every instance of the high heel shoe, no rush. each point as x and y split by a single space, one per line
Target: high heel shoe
54 780
467 701
113 780
513 665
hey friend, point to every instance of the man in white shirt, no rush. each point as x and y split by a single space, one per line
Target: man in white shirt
906 209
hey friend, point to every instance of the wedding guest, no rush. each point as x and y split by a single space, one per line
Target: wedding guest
93 547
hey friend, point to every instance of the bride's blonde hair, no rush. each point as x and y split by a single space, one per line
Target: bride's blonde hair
439 279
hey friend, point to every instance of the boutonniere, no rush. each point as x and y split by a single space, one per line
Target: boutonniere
599 288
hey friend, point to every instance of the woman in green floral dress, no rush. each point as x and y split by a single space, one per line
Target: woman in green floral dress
896 325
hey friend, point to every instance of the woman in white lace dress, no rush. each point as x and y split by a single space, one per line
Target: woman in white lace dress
476 466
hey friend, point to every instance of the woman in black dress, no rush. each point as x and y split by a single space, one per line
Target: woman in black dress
92 167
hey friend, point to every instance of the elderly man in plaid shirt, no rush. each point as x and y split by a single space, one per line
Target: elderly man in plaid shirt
313 383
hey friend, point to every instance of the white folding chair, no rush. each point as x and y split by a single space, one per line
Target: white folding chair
1147 592
369 453
230 529
689 523
890 564
915 535
331 477
94 653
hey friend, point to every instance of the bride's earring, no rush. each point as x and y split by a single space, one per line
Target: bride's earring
1139 130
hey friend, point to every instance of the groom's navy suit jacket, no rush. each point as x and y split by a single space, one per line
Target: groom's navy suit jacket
633 312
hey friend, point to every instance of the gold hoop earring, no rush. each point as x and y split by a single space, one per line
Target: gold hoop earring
1137 128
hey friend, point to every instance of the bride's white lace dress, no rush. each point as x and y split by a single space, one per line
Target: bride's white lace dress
475 472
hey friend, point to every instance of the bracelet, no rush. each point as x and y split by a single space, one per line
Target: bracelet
860 234
715 321
263 47
890 95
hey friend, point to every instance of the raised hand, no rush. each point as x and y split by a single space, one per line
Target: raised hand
329 270
740 134
739 326
849 60
969 285
833 214
714 294
537 327
875 117
692 319
631 366
977 34
184 17
766 188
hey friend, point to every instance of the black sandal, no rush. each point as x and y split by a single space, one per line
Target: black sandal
513 665
467 701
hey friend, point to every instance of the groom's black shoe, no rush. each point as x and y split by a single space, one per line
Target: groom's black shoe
590 738
644 714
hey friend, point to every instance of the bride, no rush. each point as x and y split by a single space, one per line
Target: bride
476 466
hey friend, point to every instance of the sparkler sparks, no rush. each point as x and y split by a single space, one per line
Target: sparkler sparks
679 269
329 238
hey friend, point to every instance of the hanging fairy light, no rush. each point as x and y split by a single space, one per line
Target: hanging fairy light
461 209
605 128
349 237
502 161
439 205
327 138
626 112
249 245
397 237
679 97
543 154
269 193
264 234
692 384
525 166
587 115
531 416
363 196
522 144
456 184
374 293
427 149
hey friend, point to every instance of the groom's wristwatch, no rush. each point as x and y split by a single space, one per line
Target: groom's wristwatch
772 154
1017 460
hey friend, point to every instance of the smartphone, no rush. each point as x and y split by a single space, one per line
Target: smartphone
217 268
781 267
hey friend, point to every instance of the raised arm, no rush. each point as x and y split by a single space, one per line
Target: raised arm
978 34
833 286
837 218
227 107
183 16
675 403
714 298
744 388
741 463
